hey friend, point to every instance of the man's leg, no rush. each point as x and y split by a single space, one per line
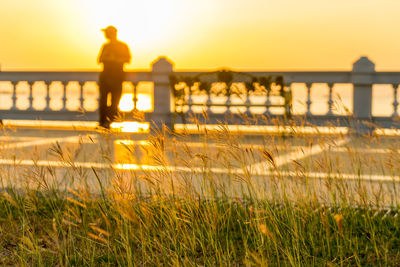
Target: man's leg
103 120
115 98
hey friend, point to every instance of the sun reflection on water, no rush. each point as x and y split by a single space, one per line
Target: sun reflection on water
143 103
130 127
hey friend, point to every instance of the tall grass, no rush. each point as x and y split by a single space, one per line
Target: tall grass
212 210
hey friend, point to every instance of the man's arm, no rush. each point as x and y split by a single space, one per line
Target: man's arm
126 55
101 55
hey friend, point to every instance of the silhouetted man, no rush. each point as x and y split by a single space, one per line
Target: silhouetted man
114 54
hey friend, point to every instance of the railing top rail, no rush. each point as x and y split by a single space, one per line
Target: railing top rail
380 77
79 76
297 76
387 77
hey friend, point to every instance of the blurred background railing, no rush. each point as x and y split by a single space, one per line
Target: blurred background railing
65 96
360 98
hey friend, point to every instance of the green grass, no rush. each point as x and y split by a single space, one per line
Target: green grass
159 218
38 229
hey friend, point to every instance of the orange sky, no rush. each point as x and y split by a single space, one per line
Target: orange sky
202 34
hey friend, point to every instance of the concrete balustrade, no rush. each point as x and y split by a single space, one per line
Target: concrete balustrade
362 77
161 69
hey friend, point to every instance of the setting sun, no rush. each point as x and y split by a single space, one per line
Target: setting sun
138 22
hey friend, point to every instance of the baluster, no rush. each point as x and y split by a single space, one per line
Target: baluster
308 102
268 100
228 102
395 102
134 97
47 84
64 98
30 98
208 92
330 100
288 101
190 101
98 97
248 102
81 99
14 95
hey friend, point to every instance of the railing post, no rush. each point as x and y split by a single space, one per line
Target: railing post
161 69
363 74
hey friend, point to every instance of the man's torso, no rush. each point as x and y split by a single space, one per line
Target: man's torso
114 68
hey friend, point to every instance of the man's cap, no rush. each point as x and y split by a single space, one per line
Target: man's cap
109 29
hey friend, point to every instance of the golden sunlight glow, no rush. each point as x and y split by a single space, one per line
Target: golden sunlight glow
134 167
261 129
126 142
387 132
144 102
65 125
130 127
207 34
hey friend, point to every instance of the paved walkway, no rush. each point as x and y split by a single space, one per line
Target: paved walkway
376 158
67 157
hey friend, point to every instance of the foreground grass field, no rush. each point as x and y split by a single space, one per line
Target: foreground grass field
38 230
159 218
